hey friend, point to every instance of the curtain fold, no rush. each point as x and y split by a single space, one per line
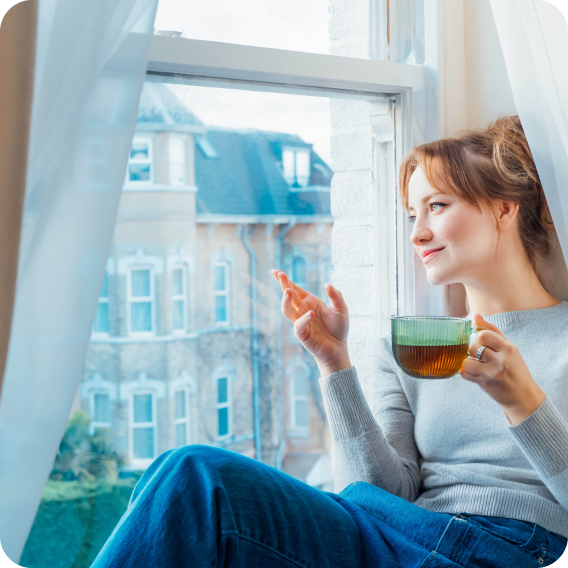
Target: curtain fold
17 57
534 39
90 65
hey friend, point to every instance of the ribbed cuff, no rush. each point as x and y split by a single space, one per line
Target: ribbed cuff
347 410
543 437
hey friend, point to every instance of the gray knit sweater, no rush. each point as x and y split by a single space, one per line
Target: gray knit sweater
446 445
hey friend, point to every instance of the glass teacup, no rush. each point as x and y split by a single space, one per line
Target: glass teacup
430 347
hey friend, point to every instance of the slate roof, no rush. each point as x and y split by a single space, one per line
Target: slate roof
246 176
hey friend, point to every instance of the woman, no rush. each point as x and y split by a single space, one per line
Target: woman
469 471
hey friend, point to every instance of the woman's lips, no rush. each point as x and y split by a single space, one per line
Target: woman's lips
428 255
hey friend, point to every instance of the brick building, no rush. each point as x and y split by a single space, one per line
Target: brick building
189 345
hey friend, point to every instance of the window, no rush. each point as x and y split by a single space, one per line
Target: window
221 294
101 413
143 427
300 398
181 418
140 162
101 324
177 160
178 299
299 271
223 407
141 301
296 167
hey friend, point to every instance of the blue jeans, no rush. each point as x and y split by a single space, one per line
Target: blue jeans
202 507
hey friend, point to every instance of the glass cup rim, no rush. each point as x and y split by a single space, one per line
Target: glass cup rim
448 318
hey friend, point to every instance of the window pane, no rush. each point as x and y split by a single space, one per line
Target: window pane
140 283
178 315
181 435
143 442
180 405
302 414
140 151
102 408
301 384
104 289
297 25
177 174
223 421
299 270
101 324
177 150
220 283
289 166
139 172
222 393
142 407
220 308
303 168
141 316
177 281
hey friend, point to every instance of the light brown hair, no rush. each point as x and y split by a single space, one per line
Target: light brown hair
488 164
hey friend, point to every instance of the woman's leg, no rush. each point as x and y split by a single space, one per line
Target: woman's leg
200 507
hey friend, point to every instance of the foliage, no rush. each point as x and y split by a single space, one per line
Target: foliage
85 455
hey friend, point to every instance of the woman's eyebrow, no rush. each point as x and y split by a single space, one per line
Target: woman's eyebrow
426 198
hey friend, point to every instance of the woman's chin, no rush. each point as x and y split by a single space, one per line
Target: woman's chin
437 277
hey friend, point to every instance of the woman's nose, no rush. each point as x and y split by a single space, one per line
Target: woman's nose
420 233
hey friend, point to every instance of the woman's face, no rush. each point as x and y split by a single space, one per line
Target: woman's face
453 239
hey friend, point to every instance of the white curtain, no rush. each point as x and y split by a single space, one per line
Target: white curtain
90 66
534 39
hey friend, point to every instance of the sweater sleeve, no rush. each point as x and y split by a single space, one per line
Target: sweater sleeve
374 445
543 438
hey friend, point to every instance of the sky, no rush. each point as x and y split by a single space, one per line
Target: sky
299 25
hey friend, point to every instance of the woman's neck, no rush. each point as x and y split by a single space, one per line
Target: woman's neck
510 285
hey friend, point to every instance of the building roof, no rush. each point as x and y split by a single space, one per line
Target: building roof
242 175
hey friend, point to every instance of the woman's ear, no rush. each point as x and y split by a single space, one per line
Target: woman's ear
506 213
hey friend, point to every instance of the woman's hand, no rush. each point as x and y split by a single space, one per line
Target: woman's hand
322 329
502 373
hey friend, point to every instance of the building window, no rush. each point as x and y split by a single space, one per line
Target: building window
223 406
101 413
143 426
299 271
300 398
177 160
178 299
221 294
140 161
181 417
296 166
141 300
101 324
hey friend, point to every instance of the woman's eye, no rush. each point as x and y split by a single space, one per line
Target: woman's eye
433 205
412 219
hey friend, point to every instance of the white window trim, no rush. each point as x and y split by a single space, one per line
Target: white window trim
229 371
186 420
103 334
228 405
136 462
177 298
297 150
139 299
410 88
150 141
175 136
226 293
291 369
93 425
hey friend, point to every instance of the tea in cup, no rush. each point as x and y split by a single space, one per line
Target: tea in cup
430 347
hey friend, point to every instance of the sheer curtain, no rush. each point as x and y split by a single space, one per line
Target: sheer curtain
534 39
90 64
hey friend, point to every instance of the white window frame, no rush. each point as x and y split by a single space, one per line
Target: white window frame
228 405
138 183
296 151
180 297
186 419
139 299
226 293
94 425
141 462
411 89
293 399
103 301
177 137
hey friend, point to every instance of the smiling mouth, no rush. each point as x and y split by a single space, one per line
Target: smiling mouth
427 255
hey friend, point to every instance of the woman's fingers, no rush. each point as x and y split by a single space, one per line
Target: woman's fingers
301 325
491 339
285 282
336 298
287 309
486 354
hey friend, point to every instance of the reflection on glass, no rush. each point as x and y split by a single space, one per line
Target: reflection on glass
172 360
